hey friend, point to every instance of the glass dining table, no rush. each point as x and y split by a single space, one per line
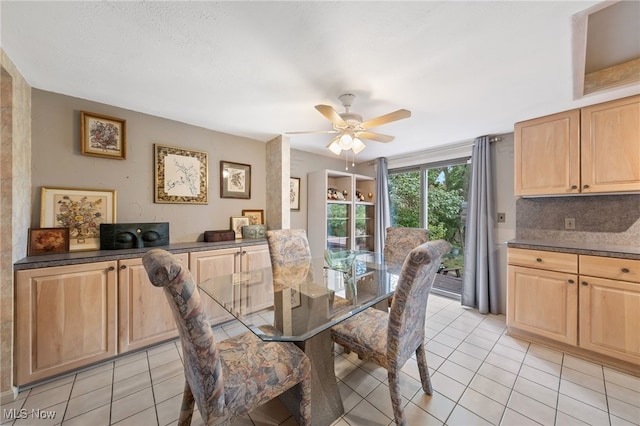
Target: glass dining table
303 311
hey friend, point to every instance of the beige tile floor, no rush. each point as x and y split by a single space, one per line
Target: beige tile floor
480 375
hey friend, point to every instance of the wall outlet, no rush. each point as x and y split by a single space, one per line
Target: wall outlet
502 217
569 223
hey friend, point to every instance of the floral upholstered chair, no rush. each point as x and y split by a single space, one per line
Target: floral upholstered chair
389 339
226 379
399 242
290 255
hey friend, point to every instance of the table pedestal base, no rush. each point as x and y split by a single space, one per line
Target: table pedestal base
326 402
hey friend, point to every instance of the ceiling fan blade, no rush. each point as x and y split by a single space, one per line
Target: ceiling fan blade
377 137
313 132
387 118
331 115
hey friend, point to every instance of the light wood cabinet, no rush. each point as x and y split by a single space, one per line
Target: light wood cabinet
543 301
590 150
144 316
65 319
346 221
210 264
588 302
547 155
610 307
611 146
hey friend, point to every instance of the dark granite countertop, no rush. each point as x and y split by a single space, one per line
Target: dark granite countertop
78 257
588 248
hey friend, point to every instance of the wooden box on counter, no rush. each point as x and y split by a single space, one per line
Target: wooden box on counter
213 236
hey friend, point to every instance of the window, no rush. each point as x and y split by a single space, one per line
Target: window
434 196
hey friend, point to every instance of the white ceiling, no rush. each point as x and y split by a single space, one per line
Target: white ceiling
257 68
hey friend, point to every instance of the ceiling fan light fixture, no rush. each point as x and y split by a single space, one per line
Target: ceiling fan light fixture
334 147
357 146
346 141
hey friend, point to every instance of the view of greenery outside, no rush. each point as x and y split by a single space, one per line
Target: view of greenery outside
447 191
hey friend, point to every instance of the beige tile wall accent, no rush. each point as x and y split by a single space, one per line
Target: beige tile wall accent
15 198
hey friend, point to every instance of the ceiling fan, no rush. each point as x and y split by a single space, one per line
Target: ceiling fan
350 128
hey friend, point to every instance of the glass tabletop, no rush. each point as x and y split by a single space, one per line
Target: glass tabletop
296 310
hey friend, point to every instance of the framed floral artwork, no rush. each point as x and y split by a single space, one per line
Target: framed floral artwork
47 241
256 217
235 180
294 193
80 210
103 136
182 175
237 222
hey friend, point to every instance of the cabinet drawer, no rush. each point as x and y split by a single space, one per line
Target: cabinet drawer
610 267
561 262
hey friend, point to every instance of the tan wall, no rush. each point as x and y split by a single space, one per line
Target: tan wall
15 169
58 162
303 163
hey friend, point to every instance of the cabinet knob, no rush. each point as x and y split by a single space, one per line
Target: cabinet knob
111 268
625 270
574 186
538 260
585 186
584 283
123 266
571 281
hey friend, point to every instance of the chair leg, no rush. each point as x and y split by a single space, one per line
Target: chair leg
186 411
423 368
305 402
396 398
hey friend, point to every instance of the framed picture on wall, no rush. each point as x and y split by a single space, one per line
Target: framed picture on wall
181 175
235 180
47 241
103 136
80 210
294 193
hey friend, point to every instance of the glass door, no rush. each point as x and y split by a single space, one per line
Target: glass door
339 225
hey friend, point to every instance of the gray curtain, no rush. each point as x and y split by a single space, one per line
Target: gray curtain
382 218
480 285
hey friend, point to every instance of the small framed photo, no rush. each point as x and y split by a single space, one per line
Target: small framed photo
256 217
103 136
235 180
237 222
181 175
294 193
81 211
47 241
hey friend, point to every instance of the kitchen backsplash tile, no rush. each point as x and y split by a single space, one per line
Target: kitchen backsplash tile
609 219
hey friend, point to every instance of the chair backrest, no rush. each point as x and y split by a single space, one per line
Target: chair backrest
290 255
409 307
202 364
399 242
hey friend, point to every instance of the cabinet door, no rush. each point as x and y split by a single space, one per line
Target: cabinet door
144 316
365 227
543 302
260 289
611 146
255 257
65 319
609 318
547 155
210 264
338 226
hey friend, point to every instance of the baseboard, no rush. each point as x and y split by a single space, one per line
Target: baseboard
9 396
